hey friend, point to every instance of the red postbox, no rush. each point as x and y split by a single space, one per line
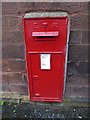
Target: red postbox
46 38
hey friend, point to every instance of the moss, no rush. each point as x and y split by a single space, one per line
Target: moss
2 102
15 99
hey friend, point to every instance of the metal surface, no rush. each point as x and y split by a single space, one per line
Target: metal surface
46 55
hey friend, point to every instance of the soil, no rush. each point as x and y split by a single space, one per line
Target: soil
28 110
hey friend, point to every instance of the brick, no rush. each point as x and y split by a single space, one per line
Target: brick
20 89
79 91
5 87
82 99
73 85
78 68
50 6
23 7
12 51
89 15
12 37
76 91
79 37
89 23
89 67
13 66
77 80
79 21
20 24
13 78
44 6
5 23
72 68
78 53
9 8
85 36
85 7
83 67
75 37
14 23
64 6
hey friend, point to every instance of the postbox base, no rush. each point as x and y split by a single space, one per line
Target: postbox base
45 100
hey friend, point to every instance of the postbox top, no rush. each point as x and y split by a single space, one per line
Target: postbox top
45 14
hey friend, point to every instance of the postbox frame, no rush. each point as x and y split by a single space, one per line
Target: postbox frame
38 15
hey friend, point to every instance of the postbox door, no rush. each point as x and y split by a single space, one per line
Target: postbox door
47 81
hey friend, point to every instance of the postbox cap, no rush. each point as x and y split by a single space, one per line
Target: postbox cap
45 14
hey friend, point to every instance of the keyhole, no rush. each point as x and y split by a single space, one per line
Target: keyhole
35 77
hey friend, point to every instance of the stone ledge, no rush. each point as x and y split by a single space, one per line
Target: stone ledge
16 98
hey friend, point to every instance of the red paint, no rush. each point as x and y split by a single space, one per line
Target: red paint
46 35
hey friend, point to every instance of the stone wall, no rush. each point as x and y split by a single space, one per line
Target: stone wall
14 75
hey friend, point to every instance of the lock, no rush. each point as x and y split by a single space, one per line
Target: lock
35 25
45 24
37 95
